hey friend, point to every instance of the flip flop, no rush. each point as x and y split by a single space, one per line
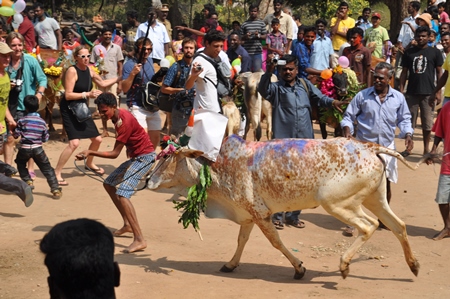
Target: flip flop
278 225
32 175
100 171
63 183
296 223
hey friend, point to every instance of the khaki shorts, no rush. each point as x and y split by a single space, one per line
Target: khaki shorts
426 112
151 121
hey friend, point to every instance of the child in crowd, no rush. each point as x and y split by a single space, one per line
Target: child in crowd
177 46
300 34
443 16
432 39
276 41
69 43
33 132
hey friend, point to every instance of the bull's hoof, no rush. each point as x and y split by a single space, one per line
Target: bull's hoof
415 268
225 269
345 272
299 275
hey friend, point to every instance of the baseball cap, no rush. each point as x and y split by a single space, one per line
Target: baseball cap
165 7
4 48
376 15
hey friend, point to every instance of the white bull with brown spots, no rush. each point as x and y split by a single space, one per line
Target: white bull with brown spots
253 180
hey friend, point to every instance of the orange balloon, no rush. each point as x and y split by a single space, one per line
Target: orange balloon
8 3
326 74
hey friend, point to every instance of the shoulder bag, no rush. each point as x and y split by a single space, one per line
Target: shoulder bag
80 108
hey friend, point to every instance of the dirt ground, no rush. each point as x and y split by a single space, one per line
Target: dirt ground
178 264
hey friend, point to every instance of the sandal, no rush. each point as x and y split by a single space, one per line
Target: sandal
100 171
278 225
296 223
32 175
63 182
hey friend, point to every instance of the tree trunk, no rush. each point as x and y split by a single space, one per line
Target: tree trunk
265 8
399 11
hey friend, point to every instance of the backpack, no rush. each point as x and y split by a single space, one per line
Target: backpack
223 86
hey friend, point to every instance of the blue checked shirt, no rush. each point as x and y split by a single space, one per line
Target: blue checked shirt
172 73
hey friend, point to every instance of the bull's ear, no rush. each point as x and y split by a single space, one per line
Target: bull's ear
190 153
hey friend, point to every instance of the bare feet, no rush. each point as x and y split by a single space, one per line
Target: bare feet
135 246
123 230
442 234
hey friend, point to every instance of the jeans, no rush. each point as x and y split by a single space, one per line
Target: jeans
13 185
41 159
289 216
256 62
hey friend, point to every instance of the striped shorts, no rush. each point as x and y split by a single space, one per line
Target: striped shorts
128 175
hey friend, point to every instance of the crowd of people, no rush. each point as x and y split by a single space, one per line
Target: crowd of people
406 80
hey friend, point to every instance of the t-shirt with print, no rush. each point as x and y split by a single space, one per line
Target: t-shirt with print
344 26
421 63
5 86
359 59
45 31
206 92
130 133
377 35
442 129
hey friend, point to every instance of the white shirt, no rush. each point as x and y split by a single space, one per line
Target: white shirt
158 35
45 31
406 34
206 92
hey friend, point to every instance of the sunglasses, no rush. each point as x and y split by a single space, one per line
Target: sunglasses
146 49
85 56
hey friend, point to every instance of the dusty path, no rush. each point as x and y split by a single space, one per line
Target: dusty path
178 264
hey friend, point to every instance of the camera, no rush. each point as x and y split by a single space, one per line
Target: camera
198 67
18 84
275 58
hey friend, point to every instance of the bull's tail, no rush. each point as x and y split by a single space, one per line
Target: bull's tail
384 150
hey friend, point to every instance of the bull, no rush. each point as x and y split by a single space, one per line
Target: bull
253 180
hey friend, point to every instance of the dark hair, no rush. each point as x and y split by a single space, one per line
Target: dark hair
132 14
434 12
301 28
65 31
415 5
275 21
31 103
235 33
290 58
432 32
277 2
106 98
110 23
235 23
38 4
321 21
214 35
422 29
445 34
253 6
310 29
296 17
106 28
367 9
210 8
354 30
440 5
79 255
343 4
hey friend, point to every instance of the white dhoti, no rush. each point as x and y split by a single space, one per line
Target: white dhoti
391 165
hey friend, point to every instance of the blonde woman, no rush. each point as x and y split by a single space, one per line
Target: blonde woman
78 87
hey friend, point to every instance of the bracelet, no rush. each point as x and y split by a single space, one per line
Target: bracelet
408 134
83 95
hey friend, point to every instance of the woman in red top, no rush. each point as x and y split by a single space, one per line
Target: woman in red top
126 177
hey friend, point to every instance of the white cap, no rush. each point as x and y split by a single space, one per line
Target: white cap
164 63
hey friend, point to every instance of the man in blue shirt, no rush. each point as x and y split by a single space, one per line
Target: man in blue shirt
236 50
291 100
323 48
135 75
303 52
173 84
378 110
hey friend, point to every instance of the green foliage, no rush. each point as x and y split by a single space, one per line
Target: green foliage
327 8
196 200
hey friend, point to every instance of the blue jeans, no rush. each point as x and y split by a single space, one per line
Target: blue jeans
289 216
41 159
256 65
